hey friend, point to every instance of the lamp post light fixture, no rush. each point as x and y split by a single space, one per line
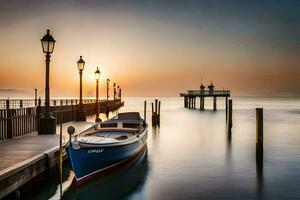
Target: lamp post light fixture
114 91
80 113
47 120
97 77
107 89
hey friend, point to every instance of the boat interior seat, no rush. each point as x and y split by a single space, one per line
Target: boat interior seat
122 137
134 131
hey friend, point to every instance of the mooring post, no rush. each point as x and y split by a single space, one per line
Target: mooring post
153 118
259 133
215 103
156 111
229 115
158 115
193 102
202 103
226 107
145 110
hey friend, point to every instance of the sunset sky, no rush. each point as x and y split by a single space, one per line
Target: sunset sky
153 48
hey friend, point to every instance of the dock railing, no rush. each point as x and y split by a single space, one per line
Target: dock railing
19 117
205 93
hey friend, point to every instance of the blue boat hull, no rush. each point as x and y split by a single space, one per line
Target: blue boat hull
86 162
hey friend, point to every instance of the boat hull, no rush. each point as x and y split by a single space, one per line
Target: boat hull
87 162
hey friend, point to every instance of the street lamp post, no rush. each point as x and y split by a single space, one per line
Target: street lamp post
97 77
80 114
114 91
107 89
47 120
118 90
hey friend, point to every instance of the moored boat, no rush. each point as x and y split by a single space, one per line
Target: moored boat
106 144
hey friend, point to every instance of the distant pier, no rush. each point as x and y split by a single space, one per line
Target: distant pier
191 95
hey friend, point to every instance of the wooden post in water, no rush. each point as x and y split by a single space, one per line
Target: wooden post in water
202 103
145 110
156 103
259 134
229 124
226 107
215 103
153 118
158 115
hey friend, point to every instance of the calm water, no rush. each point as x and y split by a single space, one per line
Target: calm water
190 157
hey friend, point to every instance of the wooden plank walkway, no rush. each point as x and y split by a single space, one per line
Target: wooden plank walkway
16 150
22 158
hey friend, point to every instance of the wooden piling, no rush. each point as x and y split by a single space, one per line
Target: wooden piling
226 107
201 103
153 118
158 115
229 124
259 133
145 110
215 103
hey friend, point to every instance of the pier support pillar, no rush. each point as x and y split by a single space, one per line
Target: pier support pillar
259 134
194 102
201 103
215 103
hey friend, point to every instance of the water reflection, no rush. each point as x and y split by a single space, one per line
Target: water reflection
114 185
259 171
155 134
192 156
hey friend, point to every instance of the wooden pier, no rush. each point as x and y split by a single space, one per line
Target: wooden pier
191 95
19 117
28 156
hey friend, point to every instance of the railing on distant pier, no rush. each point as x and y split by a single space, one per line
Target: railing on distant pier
19 117
205 93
